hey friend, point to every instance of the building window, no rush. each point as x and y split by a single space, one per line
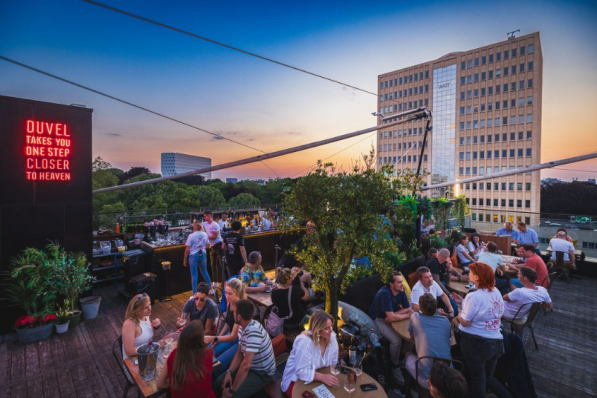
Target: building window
469 63
520 135
489 138
530 118
531 48
513 86
513 103
510 202
528 152
503 202
512 151
498 56
490 90
530 65
488 156
506 54
530 83
498 72
513 52
527 186
468 171
506 71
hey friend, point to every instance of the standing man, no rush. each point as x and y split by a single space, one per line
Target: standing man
223 223
389 305
527 236
215 240
508 229
234 247
254 365
426 284
534 262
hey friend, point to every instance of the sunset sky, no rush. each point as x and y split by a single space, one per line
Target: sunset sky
267 106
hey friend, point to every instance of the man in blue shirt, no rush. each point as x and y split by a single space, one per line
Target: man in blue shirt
389 305
507 230
527 236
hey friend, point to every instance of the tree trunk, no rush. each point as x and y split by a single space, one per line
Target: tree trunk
331 303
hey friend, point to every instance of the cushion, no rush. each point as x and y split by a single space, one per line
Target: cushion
279 344
407 288
349 313
413 278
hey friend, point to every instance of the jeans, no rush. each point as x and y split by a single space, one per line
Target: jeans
481 356
225 353
254 382
198 259
215 259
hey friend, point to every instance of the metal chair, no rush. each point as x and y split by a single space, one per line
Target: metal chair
552 277
117 352
460 368
519 327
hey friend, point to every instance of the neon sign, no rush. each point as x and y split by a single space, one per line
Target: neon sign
47 151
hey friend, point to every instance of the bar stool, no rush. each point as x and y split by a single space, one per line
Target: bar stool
166 268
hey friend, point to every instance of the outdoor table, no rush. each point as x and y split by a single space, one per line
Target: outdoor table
149 388
401 327
340 392
459 287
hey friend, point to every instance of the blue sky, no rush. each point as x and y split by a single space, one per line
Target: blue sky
265 105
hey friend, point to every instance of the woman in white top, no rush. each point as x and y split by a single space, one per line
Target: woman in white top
464 257
137 328
314 349
476 246
479 323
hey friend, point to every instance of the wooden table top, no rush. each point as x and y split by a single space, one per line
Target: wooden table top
401 327
262 298
340 392
459 287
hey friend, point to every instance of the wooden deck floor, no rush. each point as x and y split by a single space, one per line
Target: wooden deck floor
79 363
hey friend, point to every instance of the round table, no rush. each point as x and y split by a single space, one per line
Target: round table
401 327
340 392
459 287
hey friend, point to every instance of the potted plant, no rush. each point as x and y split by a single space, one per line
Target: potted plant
62 318
33 328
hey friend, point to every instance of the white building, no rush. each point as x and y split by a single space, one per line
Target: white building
177 163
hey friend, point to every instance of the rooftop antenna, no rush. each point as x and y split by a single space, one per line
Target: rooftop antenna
511 34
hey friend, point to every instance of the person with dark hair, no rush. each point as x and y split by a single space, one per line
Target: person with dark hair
389 305
223 223
464 257
254 364
446 382
494 260
479 323
187 371
201 308
212 229
535 262
476 246
431 334
426 284
234 249
253 275
526 295
527 235
508 229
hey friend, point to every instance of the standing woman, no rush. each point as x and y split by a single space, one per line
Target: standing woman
479 323
476 246
195 253
313 349
225 344
187 372
137 328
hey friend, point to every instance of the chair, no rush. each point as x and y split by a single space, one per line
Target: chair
460 368
551 276
563 266
518 325
117 352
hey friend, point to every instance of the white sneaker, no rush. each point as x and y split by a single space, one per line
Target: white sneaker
398 376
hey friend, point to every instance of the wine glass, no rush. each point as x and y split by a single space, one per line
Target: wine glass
335 369
357 366
350 382
167 341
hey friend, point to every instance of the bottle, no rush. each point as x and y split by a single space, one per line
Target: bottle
117 228
373 338
352 352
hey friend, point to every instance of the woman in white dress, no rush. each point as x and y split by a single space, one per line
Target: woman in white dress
314 349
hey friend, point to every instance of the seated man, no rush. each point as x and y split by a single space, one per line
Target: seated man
494 260
254 364
441 269
533 261
524 296
560 244
390 304
507 230
426 284
431 334
253 275
527 235
200 307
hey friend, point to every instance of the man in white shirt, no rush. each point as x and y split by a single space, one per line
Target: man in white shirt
212 229
223 223
525 296
426 284
560 244
266 224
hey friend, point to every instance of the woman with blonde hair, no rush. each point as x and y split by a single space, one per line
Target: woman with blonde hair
137 328
225 344
280 298
187 371
313 349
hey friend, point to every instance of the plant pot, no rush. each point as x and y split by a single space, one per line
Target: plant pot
74 319
90 306
34 334
62 328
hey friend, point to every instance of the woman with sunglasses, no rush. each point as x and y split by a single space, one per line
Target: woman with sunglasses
137 328
200 308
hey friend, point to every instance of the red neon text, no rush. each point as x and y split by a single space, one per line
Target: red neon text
37 127
47 151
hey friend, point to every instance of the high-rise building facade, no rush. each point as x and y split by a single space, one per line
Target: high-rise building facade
177 163
486 106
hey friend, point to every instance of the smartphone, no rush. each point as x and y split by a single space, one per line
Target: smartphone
368 387
308 394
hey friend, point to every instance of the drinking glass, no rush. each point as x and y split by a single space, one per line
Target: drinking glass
149 372
350 382
167 344
358 367
182 321
335 369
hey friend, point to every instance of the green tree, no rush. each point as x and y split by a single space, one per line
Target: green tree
208 196
244 200
346 211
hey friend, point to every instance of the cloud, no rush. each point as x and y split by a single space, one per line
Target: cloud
113 134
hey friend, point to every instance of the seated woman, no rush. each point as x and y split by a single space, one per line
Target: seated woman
137 328
313 349
464 257
298 295
476 246
446 382
225 344
187 372
201 308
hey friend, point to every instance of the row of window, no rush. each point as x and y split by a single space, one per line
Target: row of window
405 93
407 79
498 121
400 133
501 202
403 106
513 69
495 138
483 91
506 153
498 218
497 56
470 109
399 146
495 186
398 159
589 245
482 170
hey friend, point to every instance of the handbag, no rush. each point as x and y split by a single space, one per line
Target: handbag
275 325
